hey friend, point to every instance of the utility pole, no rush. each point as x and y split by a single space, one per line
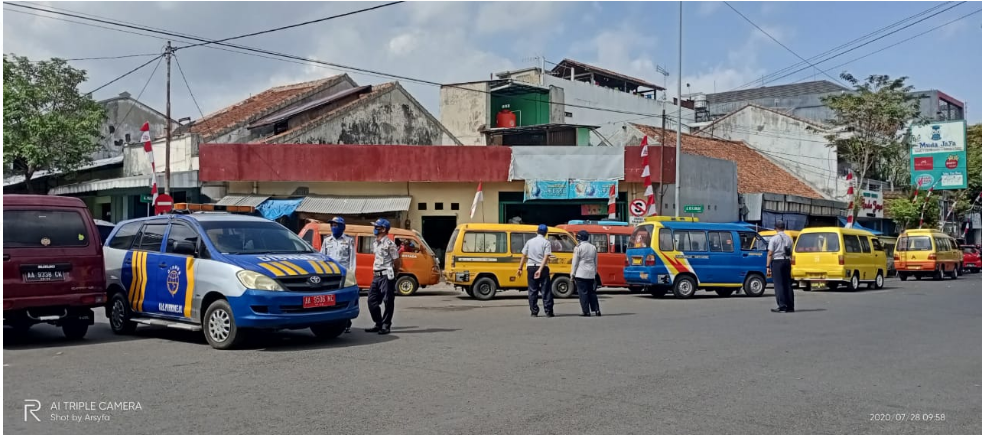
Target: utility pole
661 163
167 115
678 133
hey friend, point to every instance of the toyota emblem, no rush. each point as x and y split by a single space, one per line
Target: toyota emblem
314 280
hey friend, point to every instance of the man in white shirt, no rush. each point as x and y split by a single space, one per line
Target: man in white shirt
584 274
536 252
779 266
341 248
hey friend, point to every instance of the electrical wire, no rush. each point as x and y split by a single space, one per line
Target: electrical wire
124 75
138 96
188 86
777 41
127 56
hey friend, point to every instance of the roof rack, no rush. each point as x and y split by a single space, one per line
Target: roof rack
602 222
187 207
670 219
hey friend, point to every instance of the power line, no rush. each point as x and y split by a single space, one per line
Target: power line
291 26
188 85
859 39
124 75
127 56
903 41
153 73
854 48
776 40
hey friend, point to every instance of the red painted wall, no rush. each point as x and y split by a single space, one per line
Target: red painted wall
377 163
633 169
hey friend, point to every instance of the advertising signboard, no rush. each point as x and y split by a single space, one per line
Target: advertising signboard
937 156
568 189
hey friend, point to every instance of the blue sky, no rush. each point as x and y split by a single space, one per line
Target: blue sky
454 42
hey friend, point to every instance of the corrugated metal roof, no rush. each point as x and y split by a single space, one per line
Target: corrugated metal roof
780 91
178 180
350 205
290 112
247 200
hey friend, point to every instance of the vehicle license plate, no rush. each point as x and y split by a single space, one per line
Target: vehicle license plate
44 276
635 261
318 301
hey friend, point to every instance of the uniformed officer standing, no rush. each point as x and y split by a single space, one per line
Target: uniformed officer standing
779 266
584 272
384 270
341 248
537 251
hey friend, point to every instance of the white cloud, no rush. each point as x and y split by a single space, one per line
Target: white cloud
708 8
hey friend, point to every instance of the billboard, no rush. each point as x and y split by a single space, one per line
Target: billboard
937 156
569 189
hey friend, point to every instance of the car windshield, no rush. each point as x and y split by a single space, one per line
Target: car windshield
254 237
915 243
817 242
970 250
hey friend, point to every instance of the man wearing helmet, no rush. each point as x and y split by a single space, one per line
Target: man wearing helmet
384 270
537 252
341 248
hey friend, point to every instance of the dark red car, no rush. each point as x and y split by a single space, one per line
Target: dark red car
53 270
972 261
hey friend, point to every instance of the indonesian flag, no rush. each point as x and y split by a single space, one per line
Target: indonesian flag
612 203
852 201
478 197
649 192
924 206
148 148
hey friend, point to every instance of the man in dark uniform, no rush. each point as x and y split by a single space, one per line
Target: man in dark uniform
779 266
537 252
384 271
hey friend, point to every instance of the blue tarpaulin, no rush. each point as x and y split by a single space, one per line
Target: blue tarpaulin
857 226
274 209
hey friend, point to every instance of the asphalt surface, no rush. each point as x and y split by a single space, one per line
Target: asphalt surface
453 365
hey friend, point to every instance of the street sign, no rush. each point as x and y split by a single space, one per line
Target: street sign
638 207
635 220
164 204
146 199
692 209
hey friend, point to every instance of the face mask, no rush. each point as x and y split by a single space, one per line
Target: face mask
375 231
337 231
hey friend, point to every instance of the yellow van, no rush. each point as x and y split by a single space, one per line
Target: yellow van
482 259
767 234
835 256
926 252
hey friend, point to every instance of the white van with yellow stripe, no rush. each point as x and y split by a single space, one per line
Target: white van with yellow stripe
224 274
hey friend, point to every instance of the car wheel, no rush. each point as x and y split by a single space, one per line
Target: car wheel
120 315
635 289
327 331
219 327
806 286
684 287
902 276
658 292
469 291
754 286
484 289
854 282
724 292
562 287
406 285
74 329
955 272
960 270
878 284
939 273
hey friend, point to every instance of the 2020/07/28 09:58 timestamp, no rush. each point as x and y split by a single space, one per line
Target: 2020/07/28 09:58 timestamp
907 416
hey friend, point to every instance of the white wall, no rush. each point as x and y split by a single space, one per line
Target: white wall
797 146
464 112
183 156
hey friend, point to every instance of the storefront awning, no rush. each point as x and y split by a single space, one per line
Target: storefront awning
856 225
352 205
246 200
178 180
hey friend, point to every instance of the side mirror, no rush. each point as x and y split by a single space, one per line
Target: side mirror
184 248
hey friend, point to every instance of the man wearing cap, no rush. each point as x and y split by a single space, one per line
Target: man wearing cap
536 253
341 248
384 271
584 274
779 266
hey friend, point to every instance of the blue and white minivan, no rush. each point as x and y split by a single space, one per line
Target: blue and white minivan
225 274
684 255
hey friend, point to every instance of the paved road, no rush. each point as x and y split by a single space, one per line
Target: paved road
457 366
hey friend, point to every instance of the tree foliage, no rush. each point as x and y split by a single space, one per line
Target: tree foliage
870 126
907 214
974 159
47 123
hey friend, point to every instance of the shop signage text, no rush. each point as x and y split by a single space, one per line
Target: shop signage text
568 189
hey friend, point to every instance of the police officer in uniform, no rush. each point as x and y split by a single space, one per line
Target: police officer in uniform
536 252
341 248
584 272
779 266
384 271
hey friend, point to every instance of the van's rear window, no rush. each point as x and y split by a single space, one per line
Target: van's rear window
817 242
915 243
43 229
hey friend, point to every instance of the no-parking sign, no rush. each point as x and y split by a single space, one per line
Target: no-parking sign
638 207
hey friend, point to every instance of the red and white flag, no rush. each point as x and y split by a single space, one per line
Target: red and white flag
852 201
612 202
649 191
148 148
924 206
478 197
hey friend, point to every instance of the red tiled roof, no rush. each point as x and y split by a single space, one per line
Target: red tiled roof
256 106
755 173
374 92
